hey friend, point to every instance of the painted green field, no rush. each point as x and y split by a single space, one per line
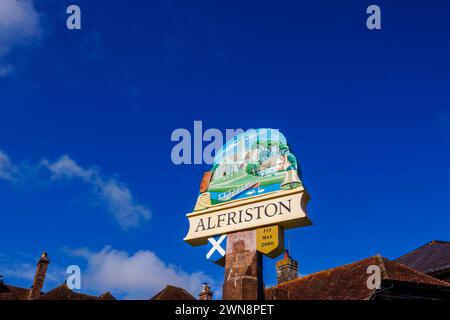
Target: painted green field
243 179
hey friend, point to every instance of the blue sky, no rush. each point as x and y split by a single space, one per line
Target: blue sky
86 118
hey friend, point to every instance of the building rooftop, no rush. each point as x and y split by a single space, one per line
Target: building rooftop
63 292
349 282
173 293
430 258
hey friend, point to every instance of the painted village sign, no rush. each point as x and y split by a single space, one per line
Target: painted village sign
253 183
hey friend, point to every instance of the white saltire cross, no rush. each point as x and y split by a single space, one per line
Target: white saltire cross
216 246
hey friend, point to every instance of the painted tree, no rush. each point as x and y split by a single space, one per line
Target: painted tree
252 169
285 150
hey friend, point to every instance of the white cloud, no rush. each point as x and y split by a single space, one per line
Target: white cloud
137 276
65 167
7 169
26 271
19 25
114 194
120 203
14 268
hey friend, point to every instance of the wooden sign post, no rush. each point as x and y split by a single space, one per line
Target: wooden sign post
243 268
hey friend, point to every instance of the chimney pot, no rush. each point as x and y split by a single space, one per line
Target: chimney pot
206 293
39 276
287 268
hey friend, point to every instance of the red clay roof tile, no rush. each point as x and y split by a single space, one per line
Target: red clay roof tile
64 293
349 282
173 293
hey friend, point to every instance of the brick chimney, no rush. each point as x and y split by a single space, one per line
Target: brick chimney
39 277
287 268
206 293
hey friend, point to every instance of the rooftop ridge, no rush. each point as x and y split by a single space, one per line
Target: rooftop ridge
384 273
424 245
444 283
382 262
323 271
64 288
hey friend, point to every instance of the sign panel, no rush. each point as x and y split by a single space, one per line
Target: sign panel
270 241
251 164
284 208
254 182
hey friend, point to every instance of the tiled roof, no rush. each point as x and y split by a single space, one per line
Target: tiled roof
106 296
20 293
349 282
64 293
6 293
429 258
173 293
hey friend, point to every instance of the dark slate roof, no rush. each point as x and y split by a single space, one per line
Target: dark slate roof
173 293
64 293
430 258
349 282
